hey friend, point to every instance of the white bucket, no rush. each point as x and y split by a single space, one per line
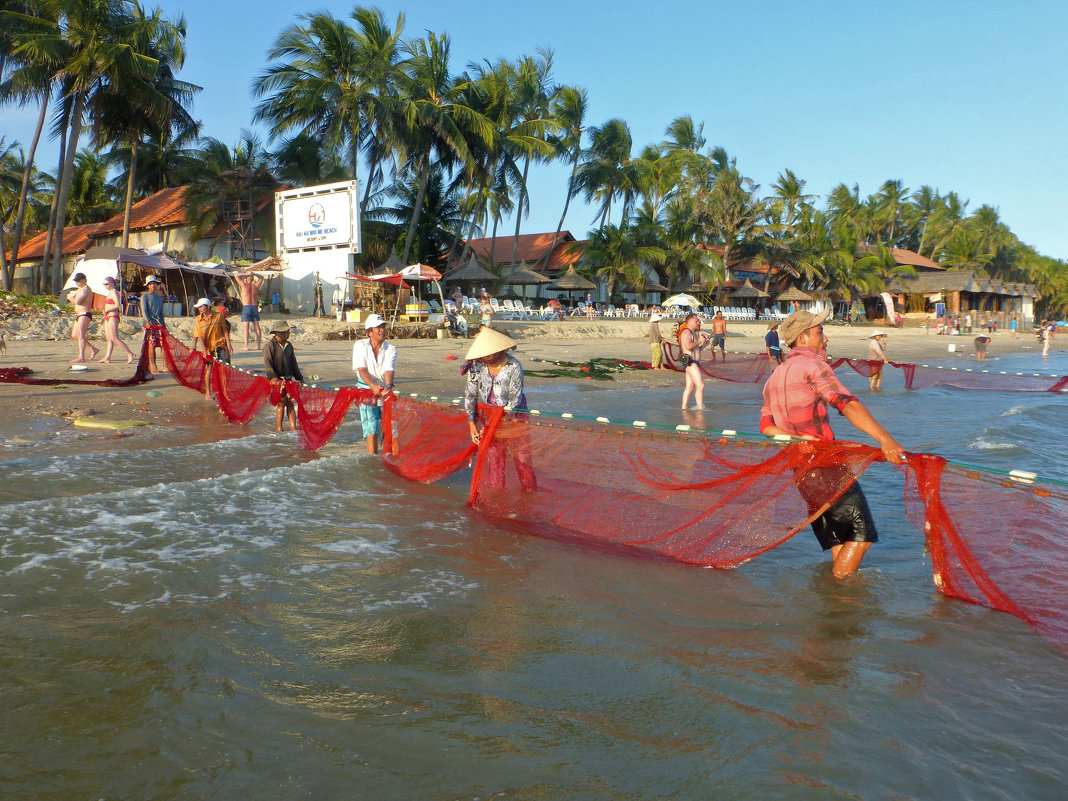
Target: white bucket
952 347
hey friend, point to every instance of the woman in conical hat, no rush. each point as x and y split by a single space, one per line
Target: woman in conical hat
496 379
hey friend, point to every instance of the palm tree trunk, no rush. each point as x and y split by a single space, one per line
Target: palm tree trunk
519 210
27 173
129 194
46 257
460 227
567 202
417 212
64 192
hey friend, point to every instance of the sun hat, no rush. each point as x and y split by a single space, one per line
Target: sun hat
656 318
876 333
373 321
799 322
487 342
279 327
201 302
773 324
153 279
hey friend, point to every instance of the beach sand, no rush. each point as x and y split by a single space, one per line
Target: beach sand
422 366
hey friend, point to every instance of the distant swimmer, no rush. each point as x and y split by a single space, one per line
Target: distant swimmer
796 397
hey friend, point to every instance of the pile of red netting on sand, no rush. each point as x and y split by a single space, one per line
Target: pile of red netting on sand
995 540
752 368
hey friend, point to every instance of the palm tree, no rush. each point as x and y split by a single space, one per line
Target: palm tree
92 198
617 254
118 121
886 207
335 84
229 179
441 216
436 120
607 172
729 213
91 46
166 158
569 110
301 161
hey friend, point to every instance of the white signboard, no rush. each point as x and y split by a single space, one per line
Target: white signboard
318 217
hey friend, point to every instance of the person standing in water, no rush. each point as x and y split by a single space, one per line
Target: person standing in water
374 361
152 311
281 364
876 360
796 398
691 343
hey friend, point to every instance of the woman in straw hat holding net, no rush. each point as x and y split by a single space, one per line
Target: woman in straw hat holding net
496 379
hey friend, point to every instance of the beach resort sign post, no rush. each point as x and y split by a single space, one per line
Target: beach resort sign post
317 231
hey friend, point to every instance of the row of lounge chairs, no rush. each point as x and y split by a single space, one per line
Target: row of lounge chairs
518 310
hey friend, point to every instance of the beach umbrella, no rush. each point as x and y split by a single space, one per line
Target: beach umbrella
748 291
422 272
471 273
682 299
524 276
570 281
793 293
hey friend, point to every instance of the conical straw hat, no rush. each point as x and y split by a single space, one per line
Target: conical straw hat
489 342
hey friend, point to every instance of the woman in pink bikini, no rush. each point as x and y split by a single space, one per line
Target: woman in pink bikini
111 323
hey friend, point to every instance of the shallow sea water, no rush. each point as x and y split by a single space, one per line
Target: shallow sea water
203 613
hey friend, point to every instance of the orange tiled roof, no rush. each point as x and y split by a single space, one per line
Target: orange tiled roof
163 209
76 239
532 248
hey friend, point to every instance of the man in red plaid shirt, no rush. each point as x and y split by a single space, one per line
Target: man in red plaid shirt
796 397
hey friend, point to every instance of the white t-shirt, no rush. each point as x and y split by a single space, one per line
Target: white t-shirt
363 355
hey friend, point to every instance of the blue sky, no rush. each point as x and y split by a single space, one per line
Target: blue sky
963 96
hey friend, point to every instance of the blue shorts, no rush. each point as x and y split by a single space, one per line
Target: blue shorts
250 313
371 420
719 341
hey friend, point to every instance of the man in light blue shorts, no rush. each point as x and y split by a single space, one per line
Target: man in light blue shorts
374 361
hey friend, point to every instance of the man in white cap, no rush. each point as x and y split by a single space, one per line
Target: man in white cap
152 311
656 341
796 397
876 359
373 361
281 364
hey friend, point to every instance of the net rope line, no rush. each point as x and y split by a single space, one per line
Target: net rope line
752 368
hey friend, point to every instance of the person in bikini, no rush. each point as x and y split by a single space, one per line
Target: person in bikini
111 323
691 343
248 283
82 300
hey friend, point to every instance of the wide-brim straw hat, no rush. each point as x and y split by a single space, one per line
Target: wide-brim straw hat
279 327
656 318
876 333
773 324
799 322
489 342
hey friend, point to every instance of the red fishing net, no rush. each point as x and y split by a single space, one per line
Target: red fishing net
187 366
321 411
425 441
240 395
721 502
21 375
753 368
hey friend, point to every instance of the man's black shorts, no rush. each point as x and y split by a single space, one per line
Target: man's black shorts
849 518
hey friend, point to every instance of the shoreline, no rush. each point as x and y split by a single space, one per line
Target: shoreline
422 368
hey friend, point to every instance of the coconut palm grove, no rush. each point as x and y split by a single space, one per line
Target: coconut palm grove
443 152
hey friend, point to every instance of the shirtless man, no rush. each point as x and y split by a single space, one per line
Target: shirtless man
82 299
249 285
719 336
